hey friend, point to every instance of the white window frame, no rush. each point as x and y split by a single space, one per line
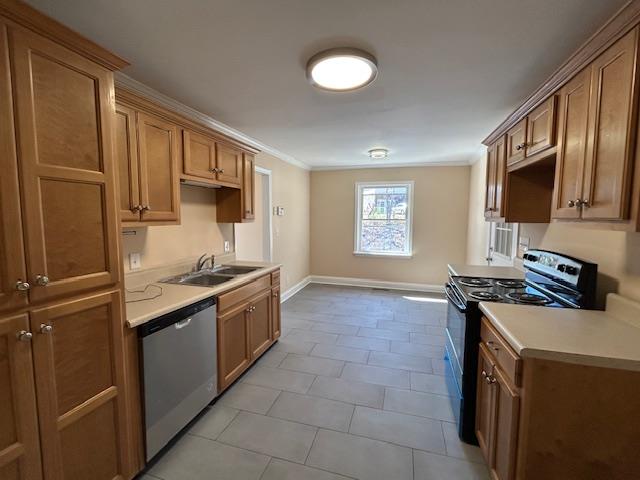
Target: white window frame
408 253
496 258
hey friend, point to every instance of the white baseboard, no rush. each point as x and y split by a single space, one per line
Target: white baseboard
363 282
295 289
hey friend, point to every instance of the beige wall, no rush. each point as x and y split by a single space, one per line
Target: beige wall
616 253
290 186
478 231
441 199
198 232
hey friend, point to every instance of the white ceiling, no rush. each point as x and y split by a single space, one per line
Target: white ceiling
449 70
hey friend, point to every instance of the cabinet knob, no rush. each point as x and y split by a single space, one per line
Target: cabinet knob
42 280
583 203
220 170
492 345
571 203
490 379
136 208
145 208
22 286
213 170
275 294
24 336
46 328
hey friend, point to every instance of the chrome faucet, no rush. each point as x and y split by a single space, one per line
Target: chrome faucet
202 261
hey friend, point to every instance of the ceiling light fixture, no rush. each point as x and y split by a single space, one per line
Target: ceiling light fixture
378 153
342 69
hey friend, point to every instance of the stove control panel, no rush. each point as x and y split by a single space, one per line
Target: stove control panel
553 265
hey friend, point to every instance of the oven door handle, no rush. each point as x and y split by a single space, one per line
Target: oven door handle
453 298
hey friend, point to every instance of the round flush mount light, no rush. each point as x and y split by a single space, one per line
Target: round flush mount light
342 69
378 153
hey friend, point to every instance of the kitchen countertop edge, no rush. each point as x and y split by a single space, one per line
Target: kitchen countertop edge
193 294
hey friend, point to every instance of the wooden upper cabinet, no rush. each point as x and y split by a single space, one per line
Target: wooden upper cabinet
490 186
234 351
19 441
78 355
159 181
64 130
541 127
12 264
199 154
612 121
516 142
229 165
572 144
248 187
127 160
260 324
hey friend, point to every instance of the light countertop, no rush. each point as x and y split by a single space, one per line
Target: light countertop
609 339
485 271
141 308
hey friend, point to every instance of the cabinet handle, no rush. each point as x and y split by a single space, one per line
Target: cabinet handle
145 208
583 203
490 379
571 203
275 295
214 170
42 280
24 336
136 208
492 346
22 286
45 328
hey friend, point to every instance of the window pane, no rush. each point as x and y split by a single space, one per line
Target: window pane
383 236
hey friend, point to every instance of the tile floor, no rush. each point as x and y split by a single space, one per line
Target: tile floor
353 389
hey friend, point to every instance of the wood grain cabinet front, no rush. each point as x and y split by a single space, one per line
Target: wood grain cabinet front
260 316
495 182
67 168
276 328
19 440
234 351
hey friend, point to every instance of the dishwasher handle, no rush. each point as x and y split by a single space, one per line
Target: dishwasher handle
182 323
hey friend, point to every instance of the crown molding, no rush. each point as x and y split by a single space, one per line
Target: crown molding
167 102
462 163
615 28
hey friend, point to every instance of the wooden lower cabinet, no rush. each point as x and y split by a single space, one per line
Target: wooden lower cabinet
245 328
276 328
505 410
79 373
19 442
484 402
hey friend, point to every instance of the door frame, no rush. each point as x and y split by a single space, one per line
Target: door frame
269 204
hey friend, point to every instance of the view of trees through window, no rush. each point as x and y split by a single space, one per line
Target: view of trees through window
383 218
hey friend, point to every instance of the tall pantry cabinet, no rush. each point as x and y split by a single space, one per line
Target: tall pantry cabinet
62 399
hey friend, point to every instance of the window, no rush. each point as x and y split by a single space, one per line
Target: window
503 244
383 218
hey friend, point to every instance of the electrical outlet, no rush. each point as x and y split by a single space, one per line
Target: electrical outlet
135 262
227 246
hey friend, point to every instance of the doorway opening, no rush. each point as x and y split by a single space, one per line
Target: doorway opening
253 240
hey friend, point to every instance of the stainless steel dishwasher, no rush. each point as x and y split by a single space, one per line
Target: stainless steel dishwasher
180 370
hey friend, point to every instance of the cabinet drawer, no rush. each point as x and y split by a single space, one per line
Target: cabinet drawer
508 360
240 294
275 278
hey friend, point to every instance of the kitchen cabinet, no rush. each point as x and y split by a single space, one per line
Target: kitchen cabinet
596 134
495 183
276 328
19 442
260 323
199 154
12 262
67 175
246 317
147 150
159 181
229 165
534 134
78 364
484 403
238 205
248 187
516 143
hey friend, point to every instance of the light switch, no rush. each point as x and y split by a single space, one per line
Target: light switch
227 246
135 262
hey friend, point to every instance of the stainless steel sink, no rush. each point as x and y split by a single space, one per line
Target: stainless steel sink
201 279
235 270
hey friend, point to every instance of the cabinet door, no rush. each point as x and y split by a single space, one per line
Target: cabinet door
12 265
260 324
199 155
127 160
572 144
229 164
19 442
490 189
248 187
506 410
500 177
541 127
516 142
160 185
234 353
611 131
484 403
276 328
67 166
78 356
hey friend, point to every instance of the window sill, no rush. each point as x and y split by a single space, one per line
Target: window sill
406 256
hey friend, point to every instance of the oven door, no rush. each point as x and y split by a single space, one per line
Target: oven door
456 325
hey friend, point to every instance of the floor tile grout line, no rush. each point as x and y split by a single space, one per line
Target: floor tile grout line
265 468
311 447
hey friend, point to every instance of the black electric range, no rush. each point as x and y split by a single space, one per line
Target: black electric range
550 280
